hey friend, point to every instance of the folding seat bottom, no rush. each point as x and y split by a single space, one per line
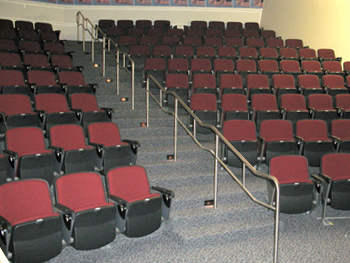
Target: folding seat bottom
37 166
23 120
79 160
278 148
340 195
94 228
294 198
36 241
313 151
144 217
116 156
207 117
249 150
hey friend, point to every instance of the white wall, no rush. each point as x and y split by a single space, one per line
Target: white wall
319 23
63 17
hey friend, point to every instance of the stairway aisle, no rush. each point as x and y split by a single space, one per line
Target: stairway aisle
237 231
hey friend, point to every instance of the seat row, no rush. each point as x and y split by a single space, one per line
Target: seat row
28 30
33 46
292 107
225 77
243 67
144 23
229 52
301 191
49 109
311 138
194 41
37 60
26 154
38 81
82 215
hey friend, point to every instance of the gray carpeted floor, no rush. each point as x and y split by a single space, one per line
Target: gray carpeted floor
237 231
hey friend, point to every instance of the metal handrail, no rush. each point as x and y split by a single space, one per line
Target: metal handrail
93 31
218 136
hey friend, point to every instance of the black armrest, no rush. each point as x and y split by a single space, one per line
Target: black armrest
42 114
67 214
2 117
325 178
11 154
118 200
99 148
318 179
133 143
94 86
109 111
59 152
64 209
298 139
79 113
5 233
164 191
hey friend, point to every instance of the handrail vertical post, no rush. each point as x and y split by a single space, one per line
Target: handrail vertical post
133 87
194 128
243 174
147 102
175 128
216 166
78 22
117 71
104 55
277 220
83 34
93 35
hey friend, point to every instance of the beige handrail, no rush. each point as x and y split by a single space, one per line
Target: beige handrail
218 136
87 26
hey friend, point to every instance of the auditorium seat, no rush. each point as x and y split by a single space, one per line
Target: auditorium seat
276 139
334 84
314 140
309 84
293 107
283 84
54 108
230 83
31 230
342 103
88 219
340 128
113 150
73 154
307 54
263 107
86 105
321 107
29 157
155 67
298 193
335 173
177 83
204 106
234 107
75 83
242 135
204 83
139 210
257 84
325 54
16 111
295 43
